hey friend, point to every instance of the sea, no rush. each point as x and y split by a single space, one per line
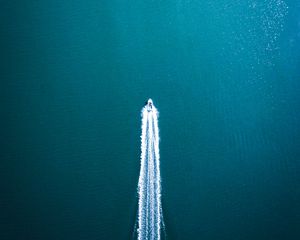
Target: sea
225 78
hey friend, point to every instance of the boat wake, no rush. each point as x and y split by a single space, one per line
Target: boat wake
150 218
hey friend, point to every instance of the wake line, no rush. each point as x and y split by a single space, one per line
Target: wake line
150 218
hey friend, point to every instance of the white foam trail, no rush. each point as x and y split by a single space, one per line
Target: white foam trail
150 216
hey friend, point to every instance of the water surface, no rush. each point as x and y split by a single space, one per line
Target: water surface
224 76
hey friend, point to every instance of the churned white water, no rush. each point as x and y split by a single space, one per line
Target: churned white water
149 186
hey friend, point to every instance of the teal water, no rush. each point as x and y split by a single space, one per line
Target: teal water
224 76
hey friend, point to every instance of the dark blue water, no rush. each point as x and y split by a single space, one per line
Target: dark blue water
223 74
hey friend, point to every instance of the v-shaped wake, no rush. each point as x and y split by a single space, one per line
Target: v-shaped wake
150 217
